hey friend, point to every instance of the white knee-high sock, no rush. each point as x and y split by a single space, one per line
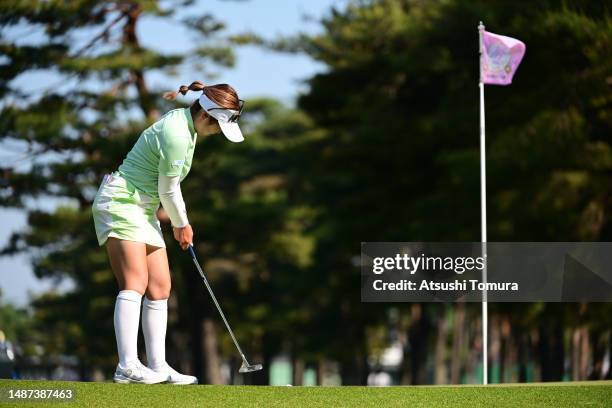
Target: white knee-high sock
126 319
154 321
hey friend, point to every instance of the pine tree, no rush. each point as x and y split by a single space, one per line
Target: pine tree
71 131
398 105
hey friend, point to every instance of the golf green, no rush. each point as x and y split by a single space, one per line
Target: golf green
571 394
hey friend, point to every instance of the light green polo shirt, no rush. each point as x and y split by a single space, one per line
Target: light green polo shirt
166 147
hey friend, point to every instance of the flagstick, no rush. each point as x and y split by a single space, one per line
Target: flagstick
483 220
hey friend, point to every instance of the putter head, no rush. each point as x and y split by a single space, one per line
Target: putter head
249 368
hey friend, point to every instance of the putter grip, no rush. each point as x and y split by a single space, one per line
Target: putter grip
192 252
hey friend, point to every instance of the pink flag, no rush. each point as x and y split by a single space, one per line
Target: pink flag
501 57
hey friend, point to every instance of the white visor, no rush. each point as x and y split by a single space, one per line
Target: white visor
231 130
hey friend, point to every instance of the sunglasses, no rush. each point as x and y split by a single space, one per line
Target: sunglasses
235 116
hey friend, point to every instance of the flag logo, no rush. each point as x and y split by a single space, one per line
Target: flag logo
500 58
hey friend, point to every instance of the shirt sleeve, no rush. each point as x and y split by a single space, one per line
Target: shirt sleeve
173 146
171 198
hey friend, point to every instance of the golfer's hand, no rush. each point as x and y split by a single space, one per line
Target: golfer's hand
184 236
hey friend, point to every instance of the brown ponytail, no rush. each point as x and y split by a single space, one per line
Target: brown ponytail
222 94
183 89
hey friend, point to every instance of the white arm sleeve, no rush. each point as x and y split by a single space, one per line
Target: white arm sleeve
171 198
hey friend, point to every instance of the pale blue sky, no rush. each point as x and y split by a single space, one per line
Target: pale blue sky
257 73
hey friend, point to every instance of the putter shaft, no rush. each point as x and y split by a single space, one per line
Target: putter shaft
214 298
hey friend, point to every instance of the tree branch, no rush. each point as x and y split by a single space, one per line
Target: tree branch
104 33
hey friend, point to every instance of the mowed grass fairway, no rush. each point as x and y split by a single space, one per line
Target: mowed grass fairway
582 394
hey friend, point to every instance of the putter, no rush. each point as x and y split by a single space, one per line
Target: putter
245 367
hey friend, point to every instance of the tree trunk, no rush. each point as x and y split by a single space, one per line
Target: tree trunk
551 351
130 39
268 349
535 339
196 349
211 351
575 354
584 353
458 342
510 354
523 357
440 354
320 371
494 350
364 368
354 367
598 341
418 333
298 371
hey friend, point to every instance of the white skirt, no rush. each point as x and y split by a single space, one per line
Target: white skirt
122 211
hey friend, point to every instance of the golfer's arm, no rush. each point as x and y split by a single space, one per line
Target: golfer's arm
169 189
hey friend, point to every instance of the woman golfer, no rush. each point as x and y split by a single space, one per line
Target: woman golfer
124 212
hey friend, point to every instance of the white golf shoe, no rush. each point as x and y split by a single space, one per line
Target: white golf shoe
174 377
138 373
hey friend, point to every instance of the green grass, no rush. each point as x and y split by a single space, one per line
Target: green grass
578 394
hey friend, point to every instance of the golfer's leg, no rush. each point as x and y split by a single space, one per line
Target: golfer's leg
128 261
155 316
155 306
158 273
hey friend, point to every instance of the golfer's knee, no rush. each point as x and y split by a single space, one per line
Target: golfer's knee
158 291
136 285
